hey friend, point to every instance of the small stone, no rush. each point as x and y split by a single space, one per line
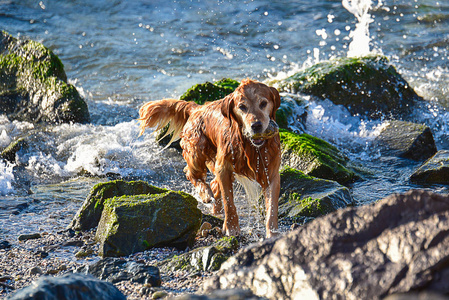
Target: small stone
84 253
216 232
35 270
159 295
25 237
5 245
205 226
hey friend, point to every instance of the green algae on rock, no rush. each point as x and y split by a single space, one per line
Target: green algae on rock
33 84
89 214
366 86
314 157
132 224
303 196
206 92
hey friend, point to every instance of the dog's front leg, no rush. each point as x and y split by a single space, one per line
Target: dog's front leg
271 193
224 177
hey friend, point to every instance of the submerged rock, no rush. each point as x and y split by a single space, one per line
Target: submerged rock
406 139
33 84
304 197
397 245
434 170
116 270
89 214
314 157
209 258
366 86
132 224
70 286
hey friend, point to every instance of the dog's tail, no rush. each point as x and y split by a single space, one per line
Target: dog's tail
163 112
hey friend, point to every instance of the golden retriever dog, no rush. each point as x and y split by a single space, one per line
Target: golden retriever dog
234 136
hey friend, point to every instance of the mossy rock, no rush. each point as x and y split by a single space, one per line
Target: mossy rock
9 153
33 84
292 114
132 224
206 92
408 140
208 258
314 157
434 170
367 85
303 196
90 212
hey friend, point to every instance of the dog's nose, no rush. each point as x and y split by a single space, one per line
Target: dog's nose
257 126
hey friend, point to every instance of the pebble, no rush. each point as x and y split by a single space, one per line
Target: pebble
159 295
25 237
35 270
5 245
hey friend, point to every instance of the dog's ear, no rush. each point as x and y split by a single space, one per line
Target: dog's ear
276 102
228 106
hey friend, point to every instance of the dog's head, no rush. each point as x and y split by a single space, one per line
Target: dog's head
252 105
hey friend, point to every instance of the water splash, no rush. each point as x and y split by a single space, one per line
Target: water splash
360 36
6 178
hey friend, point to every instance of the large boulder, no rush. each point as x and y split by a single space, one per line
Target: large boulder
434 170
303 197
208 91
407 139
89 213
71 286
367 86
33 84
397 245
132 224
314 157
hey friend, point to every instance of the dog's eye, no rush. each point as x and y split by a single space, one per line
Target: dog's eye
263 104
243 107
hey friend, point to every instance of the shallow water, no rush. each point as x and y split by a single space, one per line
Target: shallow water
120 54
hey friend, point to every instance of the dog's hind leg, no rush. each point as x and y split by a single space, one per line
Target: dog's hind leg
198 179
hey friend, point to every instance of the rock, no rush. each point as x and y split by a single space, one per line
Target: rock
89 214
207 258
232 294
408 140
206 92
367 86
9 153
70 286
434 170
159 295
423 295
314 157
213 220
32 236
5 245
292 114
132 224
398 245
35 270
116 270
33 84
303 197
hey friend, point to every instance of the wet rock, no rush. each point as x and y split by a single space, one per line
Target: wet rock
434 170
32 236
116 270
398 245
35 270
408 140
89 214
132 224
366 86
303 197
33 84
292 114
314 157
70 286
208 91
231 294
207 258
5 245
9 153
213 220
